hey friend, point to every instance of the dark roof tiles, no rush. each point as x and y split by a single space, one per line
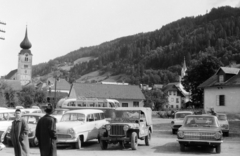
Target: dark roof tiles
108 91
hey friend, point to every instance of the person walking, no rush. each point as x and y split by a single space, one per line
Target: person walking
46 133
19 135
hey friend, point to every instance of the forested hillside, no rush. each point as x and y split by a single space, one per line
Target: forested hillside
156 57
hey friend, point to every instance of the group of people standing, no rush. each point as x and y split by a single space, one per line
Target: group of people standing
45 134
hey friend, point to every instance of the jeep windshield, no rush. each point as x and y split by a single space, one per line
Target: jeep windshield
125 116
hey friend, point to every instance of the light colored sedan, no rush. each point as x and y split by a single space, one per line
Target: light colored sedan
78 126
178 120
200 130
222 119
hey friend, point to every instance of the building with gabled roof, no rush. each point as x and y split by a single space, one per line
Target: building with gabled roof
127 95
177 95
222 90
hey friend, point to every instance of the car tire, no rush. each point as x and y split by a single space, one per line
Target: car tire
134 141
78 144
218 149
34 142
226 134
9 143
182 147
148 138
173 131
103 144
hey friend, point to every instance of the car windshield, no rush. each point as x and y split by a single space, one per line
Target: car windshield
204 121
125 115
222 117
3 116
58 112
31 119
181 115
73 117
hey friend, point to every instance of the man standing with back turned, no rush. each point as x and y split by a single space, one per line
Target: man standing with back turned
46 133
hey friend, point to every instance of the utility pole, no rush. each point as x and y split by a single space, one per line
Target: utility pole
3 31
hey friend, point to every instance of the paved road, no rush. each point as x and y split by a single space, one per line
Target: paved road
162 143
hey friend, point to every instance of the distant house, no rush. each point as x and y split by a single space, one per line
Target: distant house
127 95
61 85
157 86
177 96
222 90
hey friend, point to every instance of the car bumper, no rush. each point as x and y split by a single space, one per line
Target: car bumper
69 140
115 139
199 142
225 130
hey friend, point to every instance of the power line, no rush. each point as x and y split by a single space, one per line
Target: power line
3 31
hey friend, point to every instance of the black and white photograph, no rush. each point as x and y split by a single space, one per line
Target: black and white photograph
119 77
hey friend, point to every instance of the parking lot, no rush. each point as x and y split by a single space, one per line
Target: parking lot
163 143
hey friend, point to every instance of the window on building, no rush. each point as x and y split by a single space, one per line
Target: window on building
174 92
169 93
177 100
25 66
221 100
221 78
26 58
171 106
135 104
177 106
124 104
25 72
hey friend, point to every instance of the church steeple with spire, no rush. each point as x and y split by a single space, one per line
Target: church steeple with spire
25 61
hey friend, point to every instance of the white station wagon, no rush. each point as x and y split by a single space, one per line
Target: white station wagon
6 118
78 126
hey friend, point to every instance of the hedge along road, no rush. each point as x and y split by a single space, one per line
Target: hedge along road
163 143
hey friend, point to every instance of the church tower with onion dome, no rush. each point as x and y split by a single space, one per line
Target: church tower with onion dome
24 73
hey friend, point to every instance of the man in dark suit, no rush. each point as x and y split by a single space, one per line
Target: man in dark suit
46 133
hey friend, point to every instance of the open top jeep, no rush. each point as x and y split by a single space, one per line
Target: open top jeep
128 124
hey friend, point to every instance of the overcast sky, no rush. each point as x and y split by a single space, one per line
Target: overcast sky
57 27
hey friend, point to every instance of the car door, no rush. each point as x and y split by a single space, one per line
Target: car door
90 123
143 129
98 124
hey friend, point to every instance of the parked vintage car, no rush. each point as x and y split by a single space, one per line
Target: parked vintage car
58 112
32 120
6 118
31 110
178 120
127 126
222 119
200 130
78 126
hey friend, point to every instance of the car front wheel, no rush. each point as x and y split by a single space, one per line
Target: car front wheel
148 138
78 144
134 141
103 144
218 149
182 147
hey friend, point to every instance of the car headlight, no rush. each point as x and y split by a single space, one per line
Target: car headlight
180 134
225 126
217 135
108 127
71 131
9 129
30 130
125 127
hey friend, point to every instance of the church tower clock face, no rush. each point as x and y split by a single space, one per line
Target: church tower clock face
25 61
